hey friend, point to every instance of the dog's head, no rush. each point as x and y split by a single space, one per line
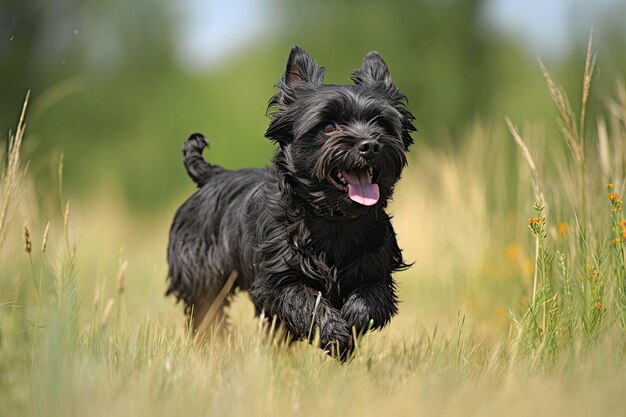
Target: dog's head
342 147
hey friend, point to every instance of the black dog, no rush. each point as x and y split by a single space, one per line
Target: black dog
315 221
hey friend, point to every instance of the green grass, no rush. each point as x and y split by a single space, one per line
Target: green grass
500 315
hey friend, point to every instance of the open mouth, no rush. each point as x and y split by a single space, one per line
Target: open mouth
359 184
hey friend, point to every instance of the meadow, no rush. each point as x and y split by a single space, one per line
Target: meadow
515 303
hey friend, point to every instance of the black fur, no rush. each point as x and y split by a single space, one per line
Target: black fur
290 231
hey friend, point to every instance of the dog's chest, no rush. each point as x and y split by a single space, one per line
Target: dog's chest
352 252
344 243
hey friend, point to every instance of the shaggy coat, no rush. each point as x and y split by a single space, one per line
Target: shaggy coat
312 223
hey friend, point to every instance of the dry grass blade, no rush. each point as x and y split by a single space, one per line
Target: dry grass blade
590 63
317 304
567 122
216 305
108 309
121 278
536 180
621 96
13 176
44 240
28 243
604 153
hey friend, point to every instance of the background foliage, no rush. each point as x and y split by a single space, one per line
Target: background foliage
113 91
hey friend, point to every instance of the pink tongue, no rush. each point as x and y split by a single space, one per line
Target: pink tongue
360 187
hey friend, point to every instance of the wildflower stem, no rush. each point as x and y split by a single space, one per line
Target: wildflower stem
536 268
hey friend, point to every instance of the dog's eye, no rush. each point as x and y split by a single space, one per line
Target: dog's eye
329 128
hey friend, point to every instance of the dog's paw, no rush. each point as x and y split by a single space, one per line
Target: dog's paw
367 313
357 313
336 339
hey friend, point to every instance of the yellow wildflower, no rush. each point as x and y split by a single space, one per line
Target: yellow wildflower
512 252
500 312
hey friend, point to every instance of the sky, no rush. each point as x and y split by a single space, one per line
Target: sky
546 28
215 29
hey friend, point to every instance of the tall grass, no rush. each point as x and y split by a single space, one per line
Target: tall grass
516 304
581 298
12 174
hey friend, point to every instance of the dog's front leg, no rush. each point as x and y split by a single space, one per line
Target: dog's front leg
296 308
375 302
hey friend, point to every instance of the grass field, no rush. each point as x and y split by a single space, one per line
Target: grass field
515 304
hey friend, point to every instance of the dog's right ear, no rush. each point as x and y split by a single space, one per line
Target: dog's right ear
373 70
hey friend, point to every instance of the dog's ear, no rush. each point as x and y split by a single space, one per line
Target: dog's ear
301 73
301 69
373 70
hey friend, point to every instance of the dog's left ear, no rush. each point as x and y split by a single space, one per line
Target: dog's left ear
374 72
301 72
302 69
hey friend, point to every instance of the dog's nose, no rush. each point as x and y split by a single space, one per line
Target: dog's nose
368 148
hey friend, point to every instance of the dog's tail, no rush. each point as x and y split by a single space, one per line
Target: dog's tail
198 169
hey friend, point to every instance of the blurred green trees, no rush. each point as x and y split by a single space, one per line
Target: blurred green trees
109 93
